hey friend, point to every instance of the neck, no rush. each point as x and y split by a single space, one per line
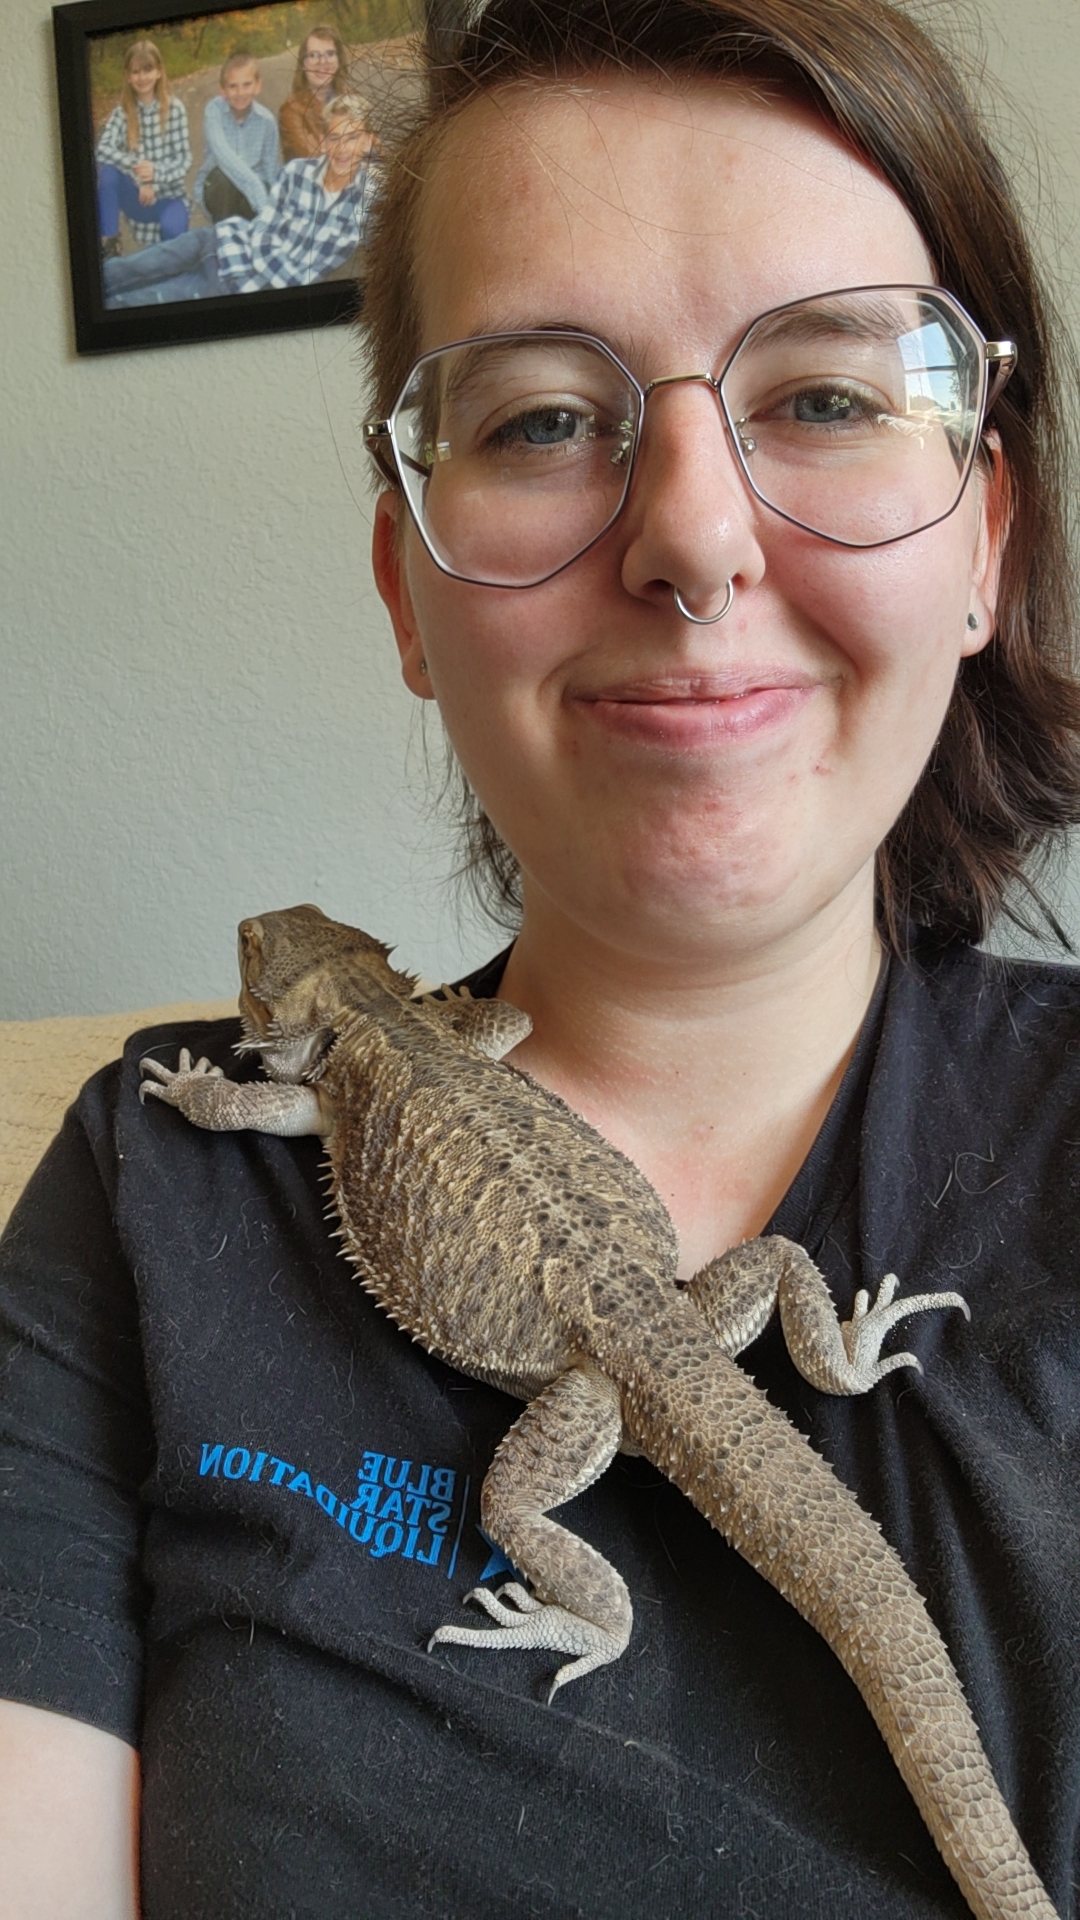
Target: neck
713 1075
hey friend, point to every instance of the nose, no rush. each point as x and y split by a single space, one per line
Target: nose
690 517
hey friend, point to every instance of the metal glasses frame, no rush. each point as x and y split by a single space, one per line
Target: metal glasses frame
998 360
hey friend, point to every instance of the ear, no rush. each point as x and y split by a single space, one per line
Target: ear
991 480
388 562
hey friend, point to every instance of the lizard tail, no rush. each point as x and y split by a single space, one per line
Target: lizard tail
758 1481
932 1736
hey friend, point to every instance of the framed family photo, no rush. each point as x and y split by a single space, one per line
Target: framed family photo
220 168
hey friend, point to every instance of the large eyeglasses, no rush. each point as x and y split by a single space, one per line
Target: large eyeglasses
854 415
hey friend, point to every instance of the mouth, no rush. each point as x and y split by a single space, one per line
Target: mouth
701 708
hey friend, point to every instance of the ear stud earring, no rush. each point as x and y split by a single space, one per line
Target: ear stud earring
973 621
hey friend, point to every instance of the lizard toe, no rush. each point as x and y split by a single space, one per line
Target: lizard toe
524 1601
553 1628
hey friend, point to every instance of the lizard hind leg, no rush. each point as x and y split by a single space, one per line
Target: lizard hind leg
736 1295
845 1357
578 1605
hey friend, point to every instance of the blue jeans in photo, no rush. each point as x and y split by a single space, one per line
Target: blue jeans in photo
180 269
118 193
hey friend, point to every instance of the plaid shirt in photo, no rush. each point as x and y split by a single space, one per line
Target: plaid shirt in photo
301 235
168 149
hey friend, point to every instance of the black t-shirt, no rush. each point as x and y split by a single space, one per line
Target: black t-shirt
235 1501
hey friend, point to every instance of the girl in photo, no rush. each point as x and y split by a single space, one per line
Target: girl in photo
322 70
143 155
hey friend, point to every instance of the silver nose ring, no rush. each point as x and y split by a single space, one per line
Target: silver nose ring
708 620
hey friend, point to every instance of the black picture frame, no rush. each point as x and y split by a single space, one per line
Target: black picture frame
99 329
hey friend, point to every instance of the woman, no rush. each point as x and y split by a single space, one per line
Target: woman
143 155
715 673
322 70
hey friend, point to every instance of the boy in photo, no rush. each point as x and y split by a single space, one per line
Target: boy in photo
242 154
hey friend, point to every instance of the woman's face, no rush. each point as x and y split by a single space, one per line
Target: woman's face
320 63
665 786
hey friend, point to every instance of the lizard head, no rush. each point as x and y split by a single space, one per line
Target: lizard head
299 973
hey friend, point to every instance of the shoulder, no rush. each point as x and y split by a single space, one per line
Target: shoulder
483 982
986 1035
114 129
300 176
970 1126
111 1096
983 1004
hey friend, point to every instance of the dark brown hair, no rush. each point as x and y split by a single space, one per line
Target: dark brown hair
340 81
1003 782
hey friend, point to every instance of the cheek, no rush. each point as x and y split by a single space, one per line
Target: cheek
892 620
482 644
896 615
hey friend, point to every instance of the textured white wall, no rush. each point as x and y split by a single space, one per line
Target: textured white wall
200 712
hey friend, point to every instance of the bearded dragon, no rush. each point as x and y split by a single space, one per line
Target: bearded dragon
504 1233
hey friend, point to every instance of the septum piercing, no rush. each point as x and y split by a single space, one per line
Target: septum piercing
707 620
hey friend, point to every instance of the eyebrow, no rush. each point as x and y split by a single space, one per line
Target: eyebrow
873 320
474 359
484 334
485 351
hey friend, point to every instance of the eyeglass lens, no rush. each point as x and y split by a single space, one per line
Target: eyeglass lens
855 415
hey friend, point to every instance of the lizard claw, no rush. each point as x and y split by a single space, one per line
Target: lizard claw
864 1332
164 1082
531 1623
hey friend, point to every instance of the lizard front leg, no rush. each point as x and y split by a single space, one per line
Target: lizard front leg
207 1099
736 1295
579 1605
493 1027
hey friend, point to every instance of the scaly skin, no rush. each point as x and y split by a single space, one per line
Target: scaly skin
502 1232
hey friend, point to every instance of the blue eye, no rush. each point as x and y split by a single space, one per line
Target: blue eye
545 427
825 406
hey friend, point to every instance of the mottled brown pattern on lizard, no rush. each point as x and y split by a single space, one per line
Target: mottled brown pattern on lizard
495 1226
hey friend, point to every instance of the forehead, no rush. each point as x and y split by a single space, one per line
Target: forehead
649 214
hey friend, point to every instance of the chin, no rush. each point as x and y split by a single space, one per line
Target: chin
663 909
765 890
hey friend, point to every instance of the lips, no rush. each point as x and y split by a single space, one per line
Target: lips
698 709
